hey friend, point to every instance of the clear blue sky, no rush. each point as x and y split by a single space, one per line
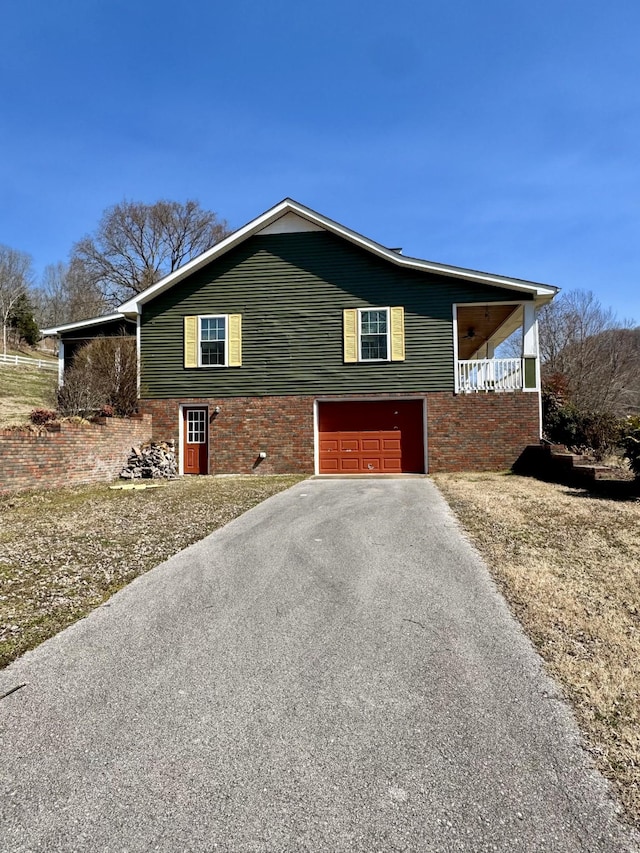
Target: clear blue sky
498 135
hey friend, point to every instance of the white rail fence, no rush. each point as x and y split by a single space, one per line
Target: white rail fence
490 374
41 363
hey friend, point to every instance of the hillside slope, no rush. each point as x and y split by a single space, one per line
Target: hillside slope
23 388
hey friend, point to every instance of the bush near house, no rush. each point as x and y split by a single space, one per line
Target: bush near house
103 376
39 417
596 432
579 429
631 443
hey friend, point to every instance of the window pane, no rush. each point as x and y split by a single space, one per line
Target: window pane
373 347
373 335
374 322
213 331
212 352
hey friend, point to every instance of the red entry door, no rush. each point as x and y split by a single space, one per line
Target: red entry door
196 445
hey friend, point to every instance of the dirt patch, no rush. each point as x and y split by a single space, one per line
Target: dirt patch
64 552
569 565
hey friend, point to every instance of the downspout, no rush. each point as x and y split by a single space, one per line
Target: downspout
138 350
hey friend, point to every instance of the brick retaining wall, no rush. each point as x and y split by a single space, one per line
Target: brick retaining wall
465 432
69 455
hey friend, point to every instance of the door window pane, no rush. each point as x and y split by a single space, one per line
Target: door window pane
196 426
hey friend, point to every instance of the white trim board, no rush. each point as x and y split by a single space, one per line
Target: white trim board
93 321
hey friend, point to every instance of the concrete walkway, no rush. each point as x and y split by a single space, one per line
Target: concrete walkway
333 671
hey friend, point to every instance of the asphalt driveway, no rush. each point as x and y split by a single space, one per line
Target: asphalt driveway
333 671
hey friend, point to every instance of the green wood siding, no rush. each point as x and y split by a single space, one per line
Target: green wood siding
530 373
291 290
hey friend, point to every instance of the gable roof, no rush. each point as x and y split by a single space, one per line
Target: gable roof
290 216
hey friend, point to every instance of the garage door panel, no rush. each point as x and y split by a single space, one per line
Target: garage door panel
392 466
381 436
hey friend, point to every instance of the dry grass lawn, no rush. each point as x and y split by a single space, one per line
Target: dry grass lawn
64 552
23 388
569 564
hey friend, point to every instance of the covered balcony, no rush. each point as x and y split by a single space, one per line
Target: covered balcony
496 347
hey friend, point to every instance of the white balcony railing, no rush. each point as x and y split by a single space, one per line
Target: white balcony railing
490 374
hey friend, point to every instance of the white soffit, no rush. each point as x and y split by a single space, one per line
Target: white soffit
290 223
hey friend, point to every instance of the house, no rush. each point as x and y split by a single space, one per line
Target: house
298 345
73 336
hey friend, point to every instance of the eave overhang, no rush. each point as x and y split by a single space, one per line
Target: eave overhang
81 324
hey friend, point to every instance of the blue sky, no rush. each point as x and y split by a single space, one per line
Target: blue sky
497 135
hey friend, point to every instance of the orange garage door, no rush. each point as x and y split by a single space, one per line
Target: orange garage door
384 437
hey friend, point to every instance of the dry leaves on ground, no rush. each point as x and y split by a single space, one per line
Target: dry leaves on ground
64 552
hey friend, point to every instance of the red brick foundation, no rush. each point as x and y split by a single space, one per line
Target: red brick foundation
466 432
280 426
70 455
480 432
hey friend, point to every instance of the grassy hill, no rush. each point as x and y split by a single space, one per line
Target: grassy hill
23 388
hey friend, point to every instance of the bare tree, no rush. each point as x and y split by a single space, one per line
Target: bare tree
592 350
65 296
137 244
15 280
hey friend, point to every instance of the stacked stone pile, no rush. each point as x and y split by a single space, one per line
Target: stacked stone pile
151 461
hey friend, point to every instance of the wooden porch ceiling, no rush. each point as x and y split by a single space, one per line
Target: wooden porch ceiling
478 323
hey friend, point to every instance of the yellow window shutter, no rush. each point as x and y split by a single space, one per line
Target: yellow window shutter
190 341
235 340
397 334
350 332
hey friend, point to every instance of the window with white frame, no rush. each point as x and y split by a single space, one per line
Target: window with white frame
212 341
373 334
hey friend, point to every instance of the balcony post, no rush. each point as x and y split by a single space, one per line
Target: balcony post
456 365
61 363
530 349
